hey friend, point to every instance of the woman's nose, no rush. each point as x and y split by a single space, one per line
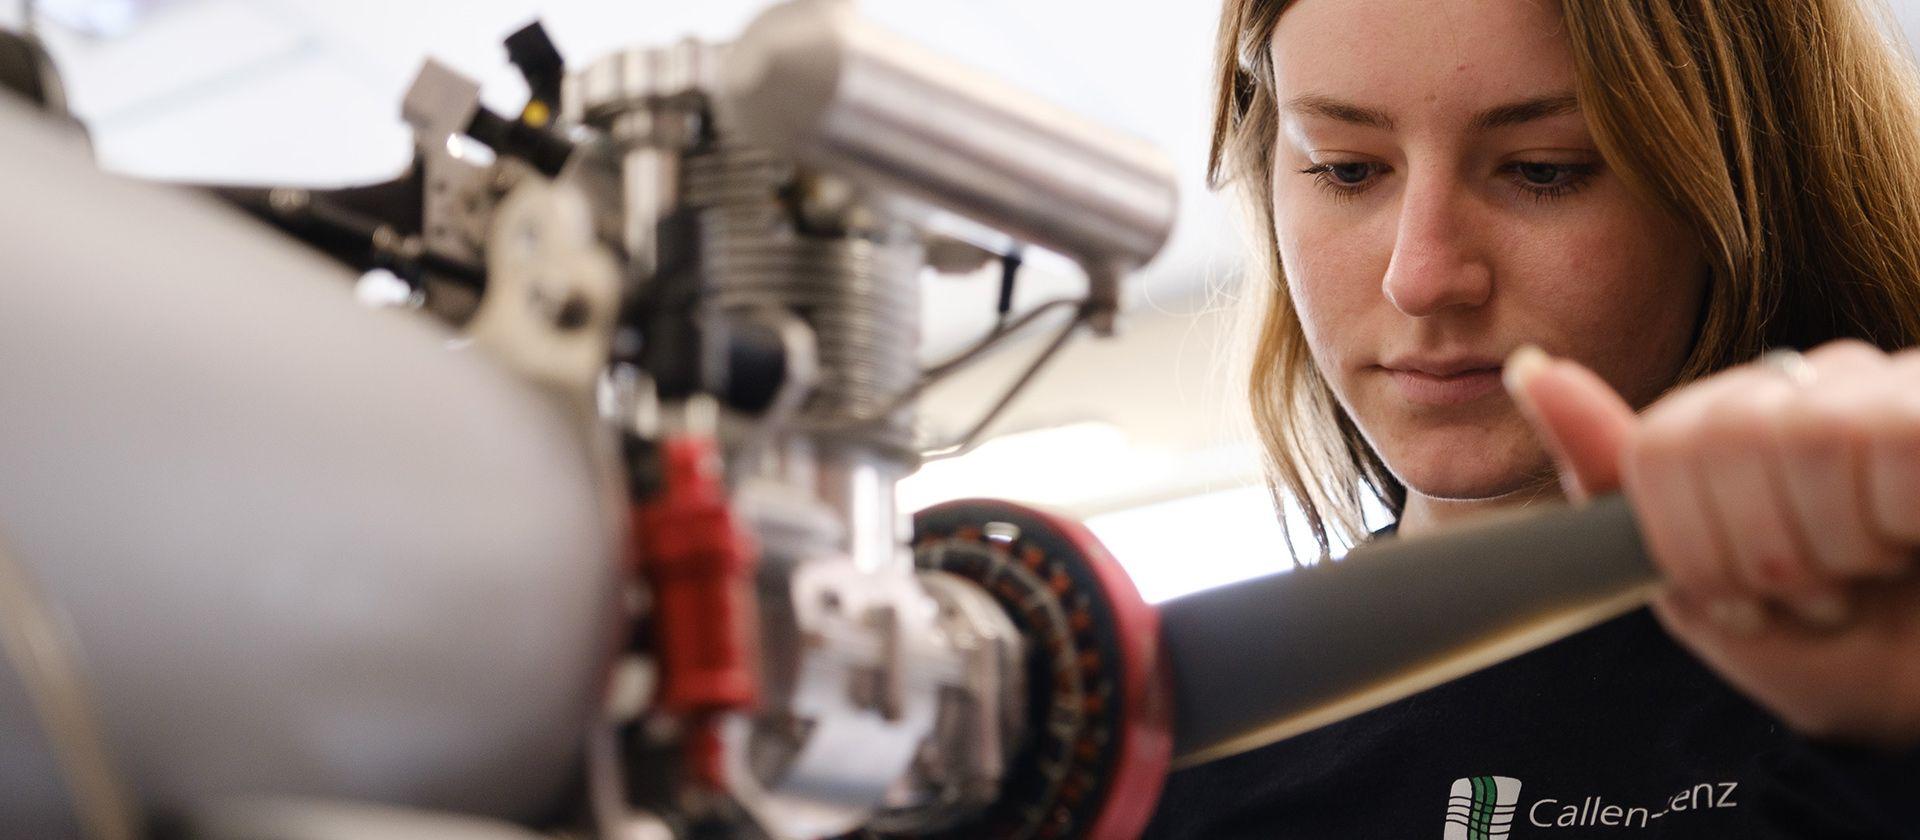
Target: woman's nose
1437 262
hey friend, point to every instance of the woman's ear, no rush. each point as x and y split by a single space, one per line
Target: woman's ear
1578 417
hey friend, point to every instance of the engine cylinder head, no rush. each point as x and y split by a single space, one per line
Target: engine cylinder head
858 291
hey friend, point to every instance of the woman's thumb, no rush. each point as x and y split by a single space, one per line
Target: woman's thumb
1578 417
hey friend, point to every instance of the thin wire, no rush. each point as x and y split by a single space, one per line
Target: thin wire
999 332
32 642
971 439
934 374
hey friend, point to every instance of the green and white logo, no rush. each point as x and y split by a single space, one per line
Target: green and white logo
1481 808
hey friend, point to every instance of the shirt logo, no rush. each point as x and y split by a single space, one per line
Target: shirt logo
1486 807
1481 808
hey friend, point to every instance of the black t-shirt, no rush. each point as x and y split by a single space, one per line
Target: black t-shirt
1612 732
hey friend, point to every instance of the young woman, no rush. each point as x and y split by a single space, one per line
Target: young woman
1618 205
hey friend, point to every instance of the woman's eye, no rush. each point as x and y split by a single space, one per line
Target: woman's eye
1347 179
1541 174
1349 173
1550 180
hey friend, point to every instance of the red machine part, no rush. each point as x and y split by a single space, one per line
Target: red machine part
1095 772
700 568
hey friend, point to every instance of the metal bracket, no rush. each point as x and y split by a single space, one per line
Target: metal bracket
553 290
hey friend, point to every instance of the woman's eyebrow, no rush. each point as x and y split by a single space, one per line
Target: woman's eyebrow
1499 116
1526 110
1318 105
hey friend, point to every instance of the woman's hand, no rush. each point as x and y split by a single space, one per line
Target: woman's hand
1782 504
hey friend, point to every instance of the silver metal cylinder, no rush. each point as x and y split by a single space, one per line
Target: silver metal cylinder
304 548
810 79
859 484
859 295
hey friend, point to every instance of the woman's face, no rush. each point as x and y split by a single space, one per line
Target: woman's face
1439 202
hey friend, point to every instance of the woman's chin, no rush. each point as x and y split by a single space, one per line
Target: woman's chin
1442 471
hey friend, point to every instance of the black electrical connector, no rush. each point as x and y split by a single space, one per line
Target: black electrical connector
539 61
531 137
547 151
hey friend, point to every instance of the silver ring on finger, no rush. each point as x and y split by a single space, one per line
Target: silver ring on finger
1791 365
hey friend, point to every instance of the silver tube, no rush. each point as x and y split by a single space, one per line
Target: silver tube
810 79
304 548
858 485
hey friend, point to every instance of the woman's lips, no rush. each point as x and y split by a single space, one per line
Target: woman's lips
1451 389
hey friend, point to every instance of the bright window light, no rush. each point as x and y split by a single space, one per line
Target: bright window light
1178 523
1170 539
1060 467
1199 542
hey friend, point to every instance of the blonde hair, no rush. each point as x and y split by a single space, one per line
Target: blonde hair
1784 133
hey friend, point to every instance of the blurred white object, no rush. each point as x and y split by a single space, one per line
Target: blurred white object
301 545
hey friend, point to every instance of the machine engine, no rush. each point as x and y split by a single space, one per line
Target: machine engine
674 303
